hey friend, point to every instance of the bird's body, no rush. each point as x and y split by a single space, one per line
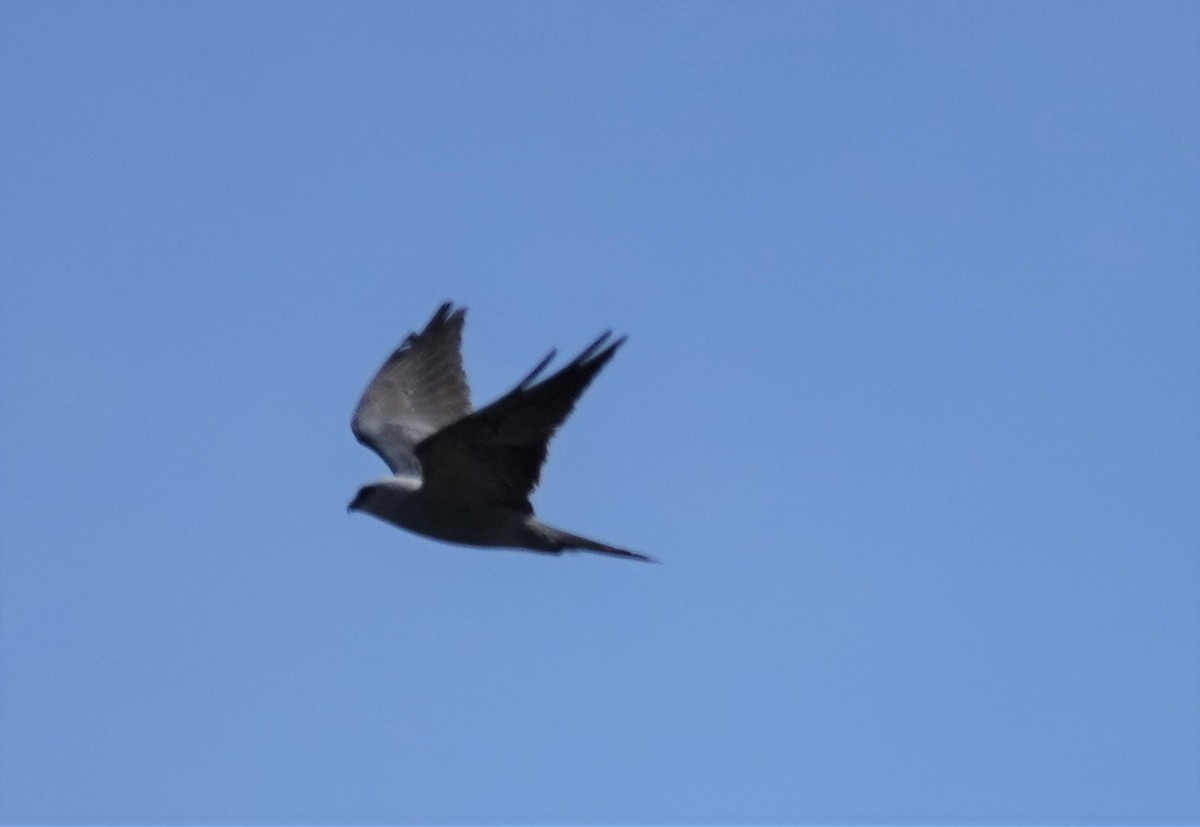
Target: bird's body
465 476
404 502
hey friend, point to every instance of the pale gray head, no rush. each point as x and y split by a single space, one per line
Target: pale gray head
381 496
362 498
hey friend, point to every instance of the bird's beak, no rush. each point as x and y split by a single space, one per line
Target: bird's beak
350 509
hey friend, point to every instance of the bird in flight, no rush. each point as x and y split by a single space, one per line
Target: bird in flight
465 476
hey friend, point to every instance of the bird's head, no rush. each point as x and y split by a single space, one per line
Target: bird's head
363 498
384 496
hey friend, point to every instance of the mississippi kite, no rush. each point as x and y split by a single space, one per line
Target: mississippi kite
465 476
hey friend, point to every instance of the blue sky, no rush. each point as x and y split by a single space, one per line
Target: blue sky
910 409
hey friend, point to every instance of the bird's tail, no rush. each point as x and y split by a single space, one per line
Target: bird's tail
562 540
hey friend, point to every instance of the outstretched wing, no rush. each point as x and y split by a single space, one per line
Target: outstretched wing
420 389
495 455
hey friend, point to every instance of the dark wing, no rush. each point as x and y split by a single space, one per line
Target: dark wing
495 455
420 389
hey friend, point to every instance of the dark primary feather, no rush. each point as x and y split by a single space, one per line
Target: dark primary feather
496 453
420 389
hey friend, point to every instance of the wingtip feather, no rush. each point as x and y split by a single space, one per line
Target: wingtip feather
590 350
447 313
537 371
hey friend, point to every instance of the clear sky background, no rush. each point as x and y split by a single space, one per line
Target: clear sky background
910 411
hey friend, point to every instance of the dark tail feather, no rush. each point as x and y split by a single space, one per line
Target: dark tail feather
575 541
